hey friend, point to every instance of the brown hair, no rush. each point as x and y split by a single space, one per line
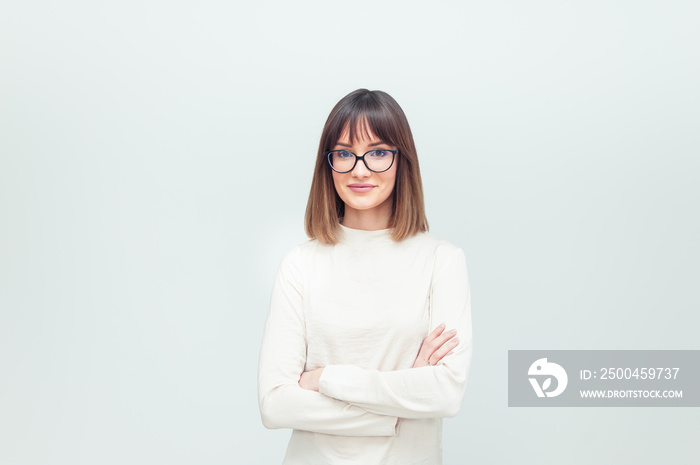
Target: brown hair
376 111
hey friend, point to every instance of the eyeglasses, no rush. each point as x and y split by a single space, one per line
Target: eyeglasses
344 161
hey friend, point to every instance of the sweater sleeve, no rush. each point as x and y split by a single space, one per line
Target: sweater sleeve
285 404
432 391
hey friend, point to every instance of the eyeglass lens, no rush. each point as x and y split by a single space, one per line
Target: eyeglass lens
376 160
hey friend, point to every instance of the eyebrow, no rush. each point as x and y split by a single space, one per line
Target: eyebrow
373 144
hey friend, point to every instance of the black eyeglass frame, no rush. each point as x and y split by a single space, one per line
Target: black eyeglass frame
393 159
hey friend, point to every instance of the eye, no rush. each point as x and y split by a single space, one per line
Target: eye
343 154
379 153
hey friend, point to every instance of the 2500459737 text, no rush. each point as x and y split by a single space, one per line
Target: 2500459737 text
630 373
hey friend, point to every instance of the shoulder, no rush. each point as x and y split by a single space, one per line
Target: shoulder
449 263
441 249
444 257
294 264
299 255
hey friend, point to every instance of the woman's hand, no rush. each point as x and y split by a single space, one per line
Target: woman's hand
437 345
309 379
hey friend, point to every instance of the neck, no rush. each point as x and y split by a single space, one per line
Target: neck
368 220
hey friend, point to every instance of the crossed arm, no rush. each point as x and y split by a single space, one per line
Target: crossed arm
352 401
434 348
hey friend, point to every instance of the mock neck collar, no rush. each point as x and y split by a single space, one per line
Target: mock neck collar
351 235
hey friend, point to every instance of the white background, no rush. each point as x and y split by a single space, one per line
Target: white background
155 160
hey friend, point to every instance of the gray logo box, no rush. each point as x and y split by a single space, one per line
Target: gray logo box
604 378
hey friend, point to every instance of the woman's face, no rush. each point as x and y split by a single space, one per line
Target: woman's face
365 193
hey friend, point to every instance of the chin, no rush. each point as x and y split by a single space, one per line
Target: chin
359 203
364 204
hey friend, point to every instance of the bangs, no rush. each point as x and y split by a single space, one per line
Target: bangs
361 118
364 126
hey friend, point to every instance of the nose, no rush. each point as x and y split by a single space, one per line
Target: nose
360 170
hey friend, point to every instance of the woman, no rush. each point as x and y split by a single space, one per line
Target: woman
368 341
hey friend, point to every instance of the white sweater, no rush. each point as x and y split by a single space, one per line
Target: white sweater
361 309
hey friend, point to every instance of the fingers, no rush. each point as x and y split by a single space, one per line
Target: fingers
443 351
436 346
435 334
438 342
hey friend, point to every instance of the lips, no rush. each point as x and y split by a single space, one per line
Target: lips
361 187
